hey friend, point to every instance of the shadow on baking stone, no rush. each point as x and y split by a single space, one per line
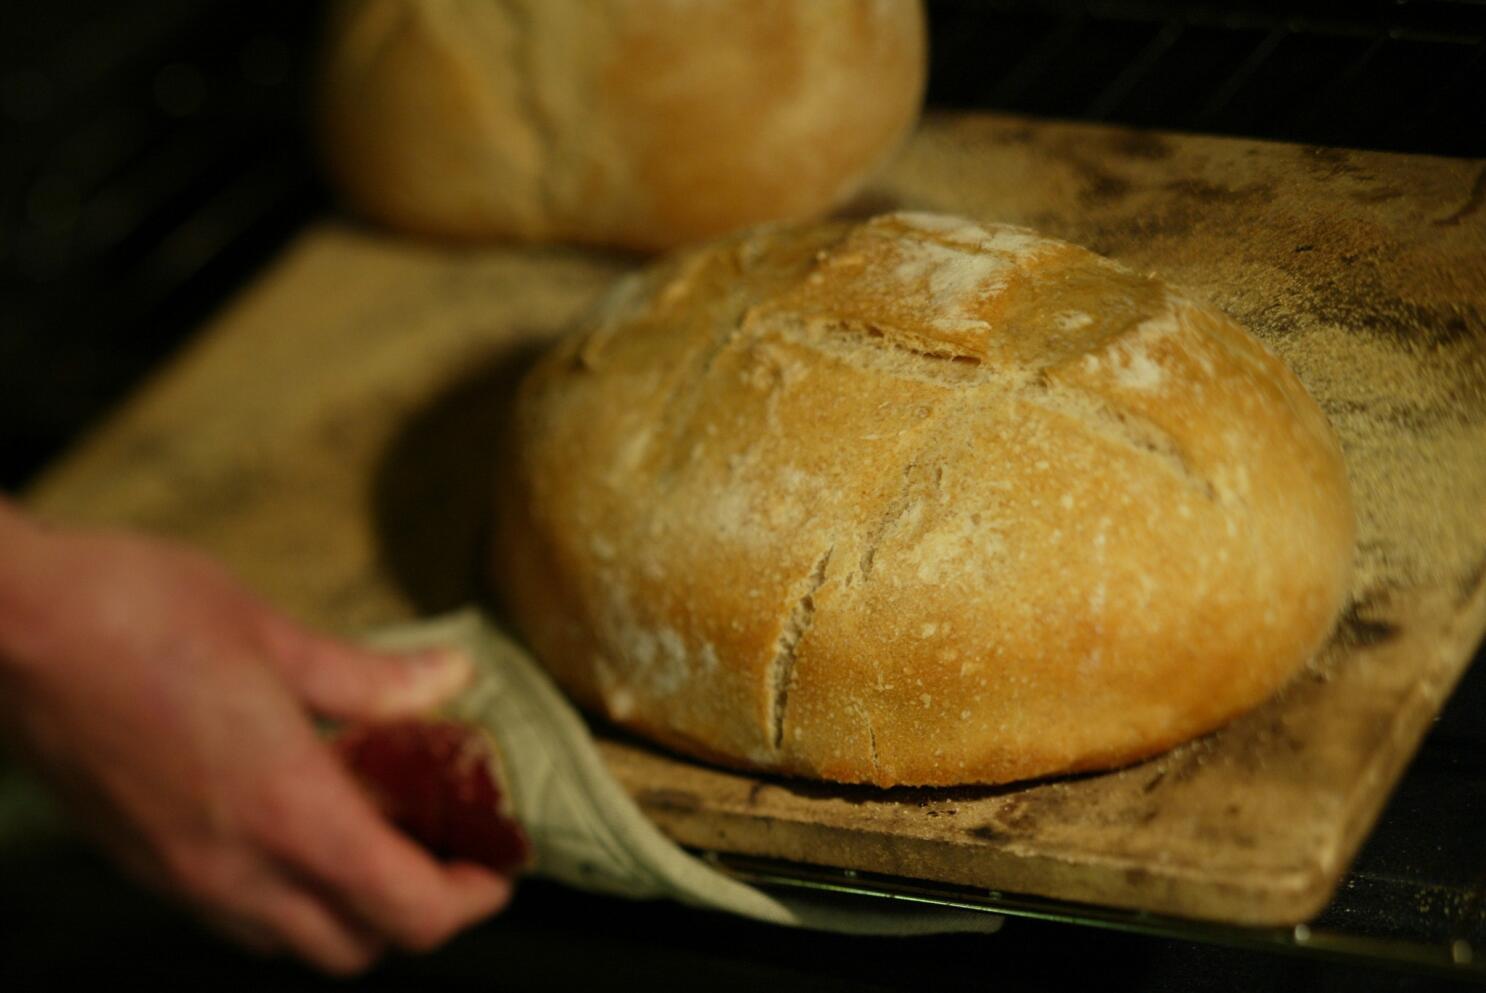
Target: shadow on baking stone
934 801
433 485
868 203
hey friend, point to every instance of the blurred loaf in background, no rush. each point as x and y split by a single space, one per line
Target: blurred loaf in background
640 124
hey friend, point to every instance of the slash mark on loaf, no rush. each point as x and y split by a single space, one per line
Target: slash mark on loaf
894 511
1099 416
686 397
782 668
915 345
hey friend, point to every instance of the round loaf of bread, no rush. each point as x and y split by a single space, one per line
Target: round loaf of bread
636 123
920 501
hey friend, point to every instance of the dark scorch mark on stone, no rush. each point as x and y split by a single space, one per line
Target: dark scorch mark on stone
676 800
1471 581
1211 193
1472 203
1364 632
1140 145
985 832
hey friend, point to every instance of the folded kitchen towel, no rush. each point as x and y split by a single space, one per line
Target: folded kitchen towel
586 829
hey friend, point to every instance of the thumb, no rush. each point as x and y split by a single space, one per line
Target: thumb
344 681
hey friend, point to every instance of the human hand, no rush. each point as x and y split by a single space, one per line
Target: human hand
172 709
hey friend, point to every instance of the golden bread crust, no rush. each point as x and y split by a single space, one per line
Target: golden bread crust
919 501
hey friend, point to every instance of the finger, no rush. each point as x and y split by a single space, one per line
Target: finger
345 681
376 873
304 924
245 934
252 900
476 876
396 888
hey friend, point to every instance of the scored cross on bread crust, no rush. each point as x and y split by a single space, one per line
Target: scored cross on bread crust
917 500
